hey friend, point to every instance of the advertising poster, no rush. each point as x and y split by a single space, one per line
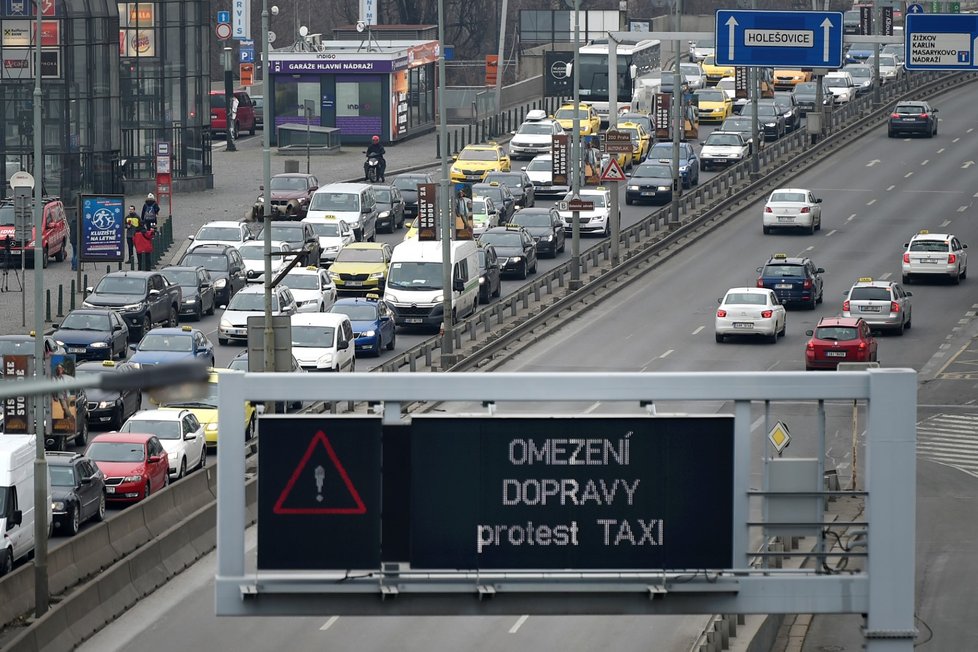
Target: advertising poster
16 63
17 33
102 231
50 64
50 32
138 43
18 418
63 409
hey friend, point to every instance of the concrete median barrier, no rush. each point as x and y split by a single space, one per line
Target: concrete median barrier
62 572
83 612
116 593
201 532
175 547
127 530
18 594
92 552
147 570
160 513
191 493
49 633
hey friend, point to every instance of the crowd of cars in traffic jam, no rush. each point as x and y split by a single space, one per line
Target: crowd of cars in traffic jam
347 295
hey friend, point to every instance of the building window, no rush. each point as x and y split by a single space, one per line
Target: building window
359 105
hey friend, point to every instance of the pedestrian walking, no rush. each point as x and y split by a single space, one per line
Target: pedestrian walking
150 212
143 241
133 221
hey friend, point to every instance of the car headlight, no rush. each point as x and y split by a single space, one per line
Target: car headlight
516 259
86 304
57 505
211 427
482 280
385 214
633 187
663 187
132 478
770 124
334 275
378 275
135 365
131 307
226 324
30 244
682 169
369 333
550 238
303 200
190 301
220 283
455 170
99 345
331 248
326 358
105 404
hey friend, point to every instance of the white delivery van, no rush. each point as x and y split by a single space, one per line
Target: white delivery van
414 282
352 203
17 509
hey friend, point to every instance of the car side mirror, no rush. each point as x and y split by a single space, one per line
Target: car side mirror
818 200
132 347
964 246
117 327
909 294
720 300
89 290
343 345
190 237
154 293
87 480
809 333
190 436
759 269
15 519
154 459
223 306
820 270
55 325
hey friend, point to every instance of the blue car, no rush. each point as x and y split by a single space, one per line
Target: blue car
689 162
93 334
166 345
795 280
373 325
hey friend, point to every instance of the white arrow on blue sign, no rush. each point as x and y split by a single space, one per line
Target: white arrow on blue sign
915 8
802 39
224 16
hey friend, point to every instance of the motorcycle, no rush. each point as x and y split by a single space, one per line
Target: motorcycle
371 168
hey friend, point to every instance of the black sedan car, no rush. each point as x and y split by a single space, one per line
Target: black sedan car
769 116
93 334
225 265
77 491
515 248
408 185
490 282
500 195
913 118
546 227
108 409
650 182
390 207
806 95
199 296
519 184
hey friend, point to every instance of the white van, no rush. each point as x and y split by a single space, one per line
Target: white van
323 341
414 282
17 509
352 203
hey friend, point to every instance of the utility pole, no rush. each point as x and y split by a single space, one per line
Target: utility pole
445 204
677 123
501 57
575 270
877 100
268 354
615 217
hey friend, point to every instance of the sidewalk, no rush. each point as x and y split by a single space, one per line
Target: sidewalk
237 176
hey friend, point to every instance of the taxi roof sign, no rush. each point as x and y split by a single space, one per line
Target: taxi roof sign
780 256
865 279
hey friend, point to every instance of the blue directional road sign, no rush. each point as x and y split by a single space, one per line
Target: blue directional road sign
941 41
915 8
800 39
224 16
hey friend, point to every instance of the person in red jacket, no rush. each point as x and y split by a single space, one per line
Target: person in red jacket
143 240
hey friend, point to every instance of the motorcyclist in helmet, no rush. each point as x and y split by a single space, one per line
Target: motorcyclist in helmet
376 149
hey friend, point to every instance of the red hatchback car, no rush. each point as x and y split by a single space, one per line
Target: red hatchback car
839 339
134 465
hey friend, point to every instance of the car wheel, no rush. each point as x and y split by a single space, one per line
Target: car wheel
906 279
174 317
811 229
6 562
74 522
199 313
818 224
773 337
533 270
118 418
767 230
811 305
719 337
203 458
957 278
100 512
183 469
390 345
210 311
890 133
60 256
563 245
81 439
930 134
820 297
499 289
251 132
147 326
148 490
784 328
964 273
903 327
524 272
628 201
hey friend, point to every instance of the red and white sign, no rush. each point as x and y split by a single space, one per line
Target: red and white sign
50 32
612 171
327 472
223 31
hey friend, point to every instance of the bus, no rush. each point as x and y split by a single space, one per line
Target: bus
634 60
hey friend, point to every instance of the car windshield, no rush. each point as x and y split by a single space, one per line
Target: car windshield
312 336
491 192
736 124
632 133
285 233
691 69
254 253
356 311
355 255
723 139
598 199
162 429
383 195
502 239
860 47
657 171
540 165
525 218
798 197
221 233
784 270
535 129
479 207
289 183
508 180
415 276
477 155
929 245
867 293
745 299
184 277
85 322
838 333
664 151
210 262
888 60
409 183
121 285
909 109
62 476
239 364
343 202
20 347
711 96
251 301
115 451
805 87
160 342
568 113
302 281
762 110
836 82
860 72
704 43
326 229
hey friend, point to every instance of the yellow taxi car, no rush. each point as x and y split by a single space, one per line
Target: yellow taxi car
205 409
714 72
361 267
641 139
713 104
474 162
590 122
785 79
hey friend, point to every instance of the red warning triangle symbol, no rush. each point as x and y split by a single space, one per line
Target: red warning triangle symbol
612 171
320 483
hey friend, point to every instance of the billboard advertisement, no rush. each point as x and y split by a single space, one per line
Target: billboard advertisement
102 233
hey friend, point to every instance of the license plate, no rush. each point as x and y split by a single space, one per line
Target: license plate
785 218
413 320
76 349
743 324
783 286
929 261
910 119
354 284
870 309
835 354
648 193
110 490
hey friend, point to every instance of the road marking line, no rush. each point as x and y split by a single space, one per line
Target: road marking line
666 354
945 223
975 195
809 248
891 187
871 202
698 329
908 175
940 151
592 407
962 209
329 623
969 130
757 423
885 276
519 623
852 216
831 232
956 140
925 161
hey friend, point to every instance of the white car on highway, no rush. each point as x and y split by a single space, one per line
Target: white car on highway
224 232
935 255
792 208
253 255
534 136
890 68
323 341
181 434
723 148
750 311
333 235
312 289
250 302
841 85
596 220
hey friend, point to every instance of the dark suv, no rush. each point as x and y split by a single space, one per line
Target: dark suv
142 298
298 235
77 491
408 185
794 280
226 267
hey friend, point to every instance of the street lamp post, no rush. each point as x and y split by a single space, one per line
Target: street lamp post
447 222
268 353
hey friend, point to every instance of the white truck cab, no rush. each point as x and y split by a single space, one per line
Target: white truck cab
414 282
17 508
